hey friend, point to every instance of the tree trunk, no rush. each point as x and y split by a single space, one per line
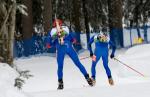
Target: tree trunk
86 20
76 21
115 21
137 21
11 31
7 30
145 26
4 14
27 27
47 15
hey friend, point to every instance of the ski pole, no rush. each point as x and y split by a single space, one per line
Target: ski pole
82 58
129 67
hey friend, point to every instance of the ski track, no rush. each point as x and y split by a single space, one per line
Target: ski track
44 68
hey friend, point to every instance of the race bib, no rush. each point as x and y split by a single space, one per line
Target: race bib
101 38
54 33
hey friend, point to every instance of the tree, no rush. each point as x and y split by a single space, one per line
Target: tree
4 14
86 20
137 16
27 27
11 31
47 15
115 21
136 13
7 29
76 20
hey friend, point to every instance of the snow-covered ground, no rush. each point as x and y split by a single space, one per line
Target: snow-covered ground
7 80
128 83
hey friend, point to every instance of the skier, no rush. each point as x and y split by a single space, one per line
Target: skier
101 50
60 37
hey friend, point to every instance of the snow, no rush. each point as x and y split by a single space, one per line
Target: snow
7 78
22 8
137 57
128 83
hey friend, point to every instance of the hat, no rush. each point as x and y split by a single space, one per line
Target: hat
57 20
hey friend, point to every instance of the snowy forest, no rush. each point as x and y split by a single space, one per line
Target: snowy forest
29 65
25 23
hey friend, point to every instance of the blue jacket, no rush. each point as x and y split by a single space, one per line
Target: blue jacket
101 45
54 41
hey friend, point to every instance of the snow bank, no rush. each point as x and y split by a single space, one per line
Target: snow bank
138 58
7 80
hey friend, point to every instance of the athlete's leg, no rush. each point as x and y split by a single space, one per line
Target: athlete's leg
60 61
73 55
105 64
94 62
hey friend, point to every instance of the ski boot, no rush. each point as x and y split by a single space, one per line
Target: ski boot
111 82
89 80
93 80
60 84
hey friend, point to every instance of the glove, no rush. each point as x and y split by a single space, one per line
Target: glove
112 56
94 58
74 41
91 54
48 45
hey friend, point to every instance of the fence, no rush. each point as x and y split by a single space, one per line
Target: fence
37 43
130 36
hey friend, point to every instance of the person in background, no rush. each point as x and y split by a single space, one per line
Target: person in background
102 43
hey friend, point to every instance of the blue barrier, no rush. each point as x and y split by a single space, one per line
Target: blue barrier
33 46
